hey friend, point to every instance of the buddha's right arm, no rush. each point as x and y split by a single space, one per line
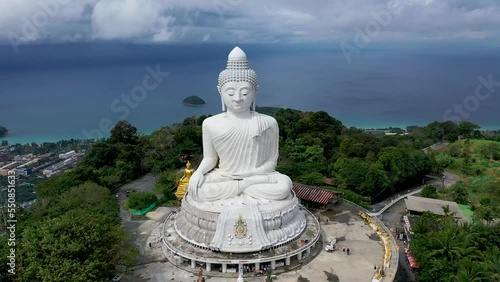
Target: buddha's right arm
210 157
206 165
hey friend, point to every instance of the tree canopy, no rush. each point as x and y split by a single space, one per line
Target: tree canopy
3 131
448 251
74 236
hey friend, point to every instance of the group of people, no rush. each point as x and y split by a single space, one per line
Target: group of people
346 250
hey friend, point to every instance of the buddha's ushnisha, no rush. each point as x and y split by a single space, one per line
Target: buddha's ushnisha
244 142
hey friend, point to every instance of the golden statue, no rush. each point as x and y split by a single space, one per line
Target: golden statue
184 181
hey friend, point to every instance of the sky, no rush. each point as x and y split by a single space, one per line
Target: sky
257 21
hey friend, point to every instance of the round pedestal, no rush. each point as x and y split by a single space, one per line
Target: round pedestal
187 255
237 227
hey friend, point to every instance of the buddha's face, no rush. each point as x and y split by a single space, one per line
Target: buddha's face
238 96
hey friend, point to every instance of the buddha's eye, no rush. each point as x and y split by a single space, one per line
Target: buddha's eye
230 92
245 91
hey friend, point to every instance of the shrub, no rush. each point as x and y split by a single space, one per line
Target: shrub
141 200
429 191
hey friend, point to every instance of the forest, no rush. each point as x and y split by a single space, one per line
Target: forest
76 209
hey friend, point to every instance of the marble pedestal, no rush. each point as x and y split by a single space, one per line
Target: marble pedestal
240 225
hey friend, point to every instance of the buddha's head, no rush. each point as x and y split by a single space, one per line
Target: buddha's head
238 83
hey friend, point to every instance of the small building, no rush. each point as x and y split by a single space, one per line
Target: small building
67 155
23 171
314 197
377 131
418 205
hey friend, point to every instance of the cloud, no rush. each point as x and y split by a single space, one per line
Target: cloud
256 21
129 19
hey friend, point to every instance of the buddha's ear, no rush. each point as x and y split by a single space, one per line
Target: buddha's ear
224 108
221 100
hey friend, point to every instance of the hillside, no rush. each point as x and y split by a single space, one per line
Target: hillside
478 161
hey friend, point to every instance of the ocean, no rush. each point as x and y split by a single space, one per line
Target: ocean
50 92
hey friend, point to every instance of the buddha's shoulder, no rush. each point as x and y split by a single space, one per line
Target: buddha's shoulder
217 119
266 118
213 120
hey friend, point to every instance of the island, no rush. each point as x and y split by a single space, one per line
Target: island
3 131
193 101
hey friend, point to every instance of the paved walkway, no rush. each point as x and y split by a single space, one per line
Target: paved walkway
342 222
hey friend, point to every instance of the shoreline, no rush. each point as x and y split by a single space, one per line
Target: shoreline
12 139
193 105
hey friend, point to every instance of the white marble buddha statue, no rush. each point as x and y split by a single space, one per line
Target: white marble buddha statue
237 202
241 141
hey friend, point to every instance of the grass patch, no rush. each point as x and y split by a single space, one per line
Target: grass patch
467 211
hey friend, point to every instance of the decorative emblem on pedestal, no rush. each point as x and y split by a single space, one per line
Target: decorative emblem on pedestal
240 229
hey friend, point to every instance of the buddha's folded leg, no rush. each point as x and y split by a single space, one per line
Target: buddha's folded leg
277 189
217 187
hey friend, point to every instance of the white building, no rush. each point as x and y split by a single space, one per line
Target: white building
67 155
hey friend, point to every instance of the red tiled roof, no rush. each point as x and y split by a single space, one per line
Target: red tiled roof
313 194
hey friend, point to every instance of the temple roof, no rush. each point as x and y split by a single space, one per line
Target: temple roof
313 194
421 204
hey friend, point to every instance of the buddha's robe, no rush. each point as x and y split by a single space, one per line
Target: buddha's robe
247 149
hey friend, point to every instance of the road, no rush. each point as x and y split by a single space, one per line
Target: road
380 207
136 227
390 211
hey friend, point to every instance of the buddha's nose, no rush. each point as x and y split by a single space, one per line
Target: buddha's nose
238 97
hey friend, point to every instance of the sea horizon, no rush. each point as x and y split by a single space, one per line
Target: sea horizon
51 92
23 140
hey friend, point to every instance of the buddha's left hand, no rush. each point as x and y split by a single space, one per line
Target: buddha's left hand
194 182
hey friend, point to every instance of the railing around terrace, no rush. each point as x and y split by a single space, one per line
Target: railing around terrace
144 211
313 241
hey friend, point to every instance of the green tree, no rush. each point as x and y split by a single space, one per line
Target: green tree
466 128
375 181
167 184
350 173
141 200
312 178
318 125
459 194
4 267
469 271
124 132
75 246
490 150
102 153
286 119
492 263
75 236
429 191
3 131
